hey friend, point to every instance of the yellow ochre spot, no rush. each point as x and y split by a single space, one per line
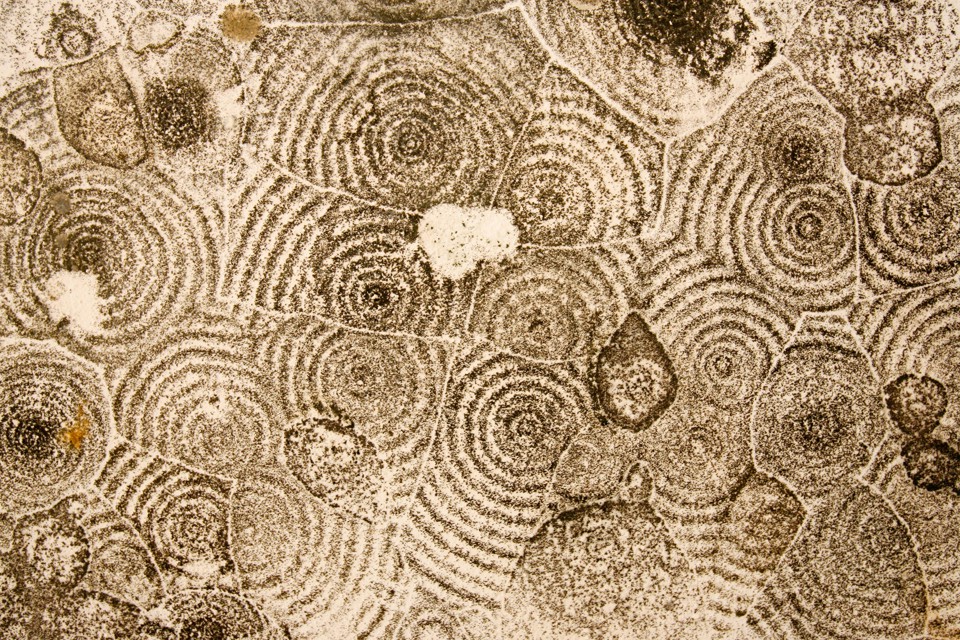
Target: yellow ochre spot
239 23
76 432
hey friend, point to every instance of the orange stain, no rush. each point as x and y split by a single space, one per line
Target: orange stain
76 432
239 23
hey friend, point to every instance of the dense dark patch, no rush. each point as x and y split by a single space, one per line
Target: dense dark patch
932 464
694 33
29 435
213 615
88 254
916 403
815 417
180 112
377 296
817 431
203 629
930 217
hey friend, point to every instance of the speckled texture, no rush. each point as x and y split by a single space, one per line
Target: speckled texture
479 319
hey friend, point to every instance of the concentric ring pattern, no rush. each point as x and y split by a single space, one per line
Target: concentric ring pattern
56 422
148 250
479 320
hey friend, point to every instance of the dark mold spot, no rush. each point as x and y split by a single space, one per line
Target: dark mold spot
916 403
815 417
215 615
799 155
29 435
239 23
705 36
817 432
60 201
180 112
764 54
932 464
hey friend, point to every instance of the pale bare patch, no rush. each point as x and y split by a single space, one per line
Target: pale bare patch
456 238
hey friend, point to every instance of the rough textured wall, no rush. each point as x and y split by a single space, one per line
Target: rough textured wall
423 319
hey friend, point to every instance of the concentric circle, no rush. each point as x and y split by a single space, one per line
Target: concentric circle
517 418
387 387
54 423
181 514
148 246
188 526
197 395
282 539
356 264
506 422
411 118
551 305
817 417
367 275
769 172
721 334
580 173
907 230
916 333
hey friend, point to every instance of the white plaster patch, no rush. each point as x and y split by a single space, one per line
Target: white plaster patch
73 295
457 238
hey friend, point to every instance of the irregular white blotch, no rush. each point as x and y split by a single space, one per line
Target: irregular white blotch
456 238
73 295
